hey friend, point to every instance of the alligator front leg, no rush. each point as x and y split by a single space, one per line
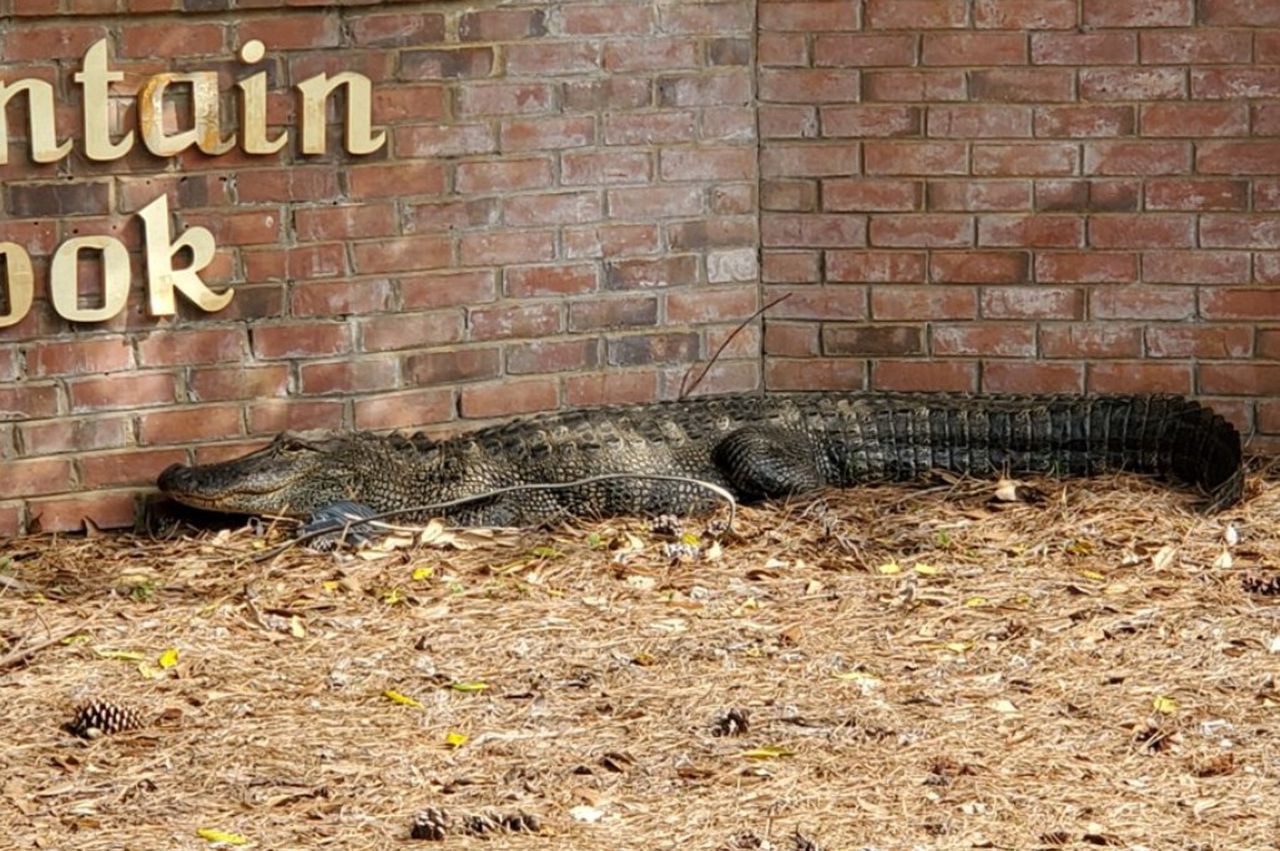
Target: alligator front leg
767 462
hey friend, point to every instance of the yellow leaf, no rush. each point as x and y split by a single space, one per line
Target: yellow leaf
466 685
1165 705
78 638
690 538
1094 575
403 699
766 753
455 740
168 658
329 585
212 835
1080 548
927 570
889 568
296 628
976 602
422 573
393 597
958 646
644 660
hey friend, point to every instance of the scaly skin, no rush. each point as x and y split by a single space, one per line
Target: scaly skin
755 446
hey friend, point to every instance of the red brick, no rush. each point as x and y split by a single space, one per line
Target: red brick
1091 341
1268 347
921 231
1199 341
641 349
1203 47
352 221
536 134
873 340
403 254
290 184
34 477
449 367
796 196
873 267
1266 195
843 50
1095 196
504 175
1074 122
1266 268
502 24
727 88
792 267
46 43
541 356
809 85
1096 48
349 376
1088 267
610 388
832 230
928 158
869 195
466 213
596 167
396 180
702 306
1135 84
1248 13
276 415
995 340
915 14
339 298
1260 230
452 63
598 314
1195 119
1023 85
145 41
508 321
728 124
979 122
646 274
110 510
408 103
707 163
610 240
188 424
979 195
1240 379
49 437
1266 46
974 48
654 54
77 357
1032 377
404 410
607 19
1140 158
238 382
1233 83
292 32
709 18
1198 267
122 391
1037 302
37 238
1260 157
543 59
11 520
239 228
510 397
1142 231
1137 302
410 330
502 247
815 374
625 93
485 99
649 128
1037 231
892 303
871 121
843 303
300 339
930 86
1139 377
928 376
987 267
807 15
443 140
1250 304
1138 13
1026 159
179 348
808 160
791 339
396 30
1025 14
782 48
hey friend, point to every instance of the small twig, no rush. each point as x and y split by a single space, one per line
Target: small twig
719 351
23 652
719 491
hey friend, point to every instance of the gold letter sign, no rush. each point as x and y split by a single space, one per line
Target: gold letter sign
103 142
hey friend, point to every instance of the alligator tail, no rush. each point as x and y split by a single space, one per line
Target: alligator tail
1168 436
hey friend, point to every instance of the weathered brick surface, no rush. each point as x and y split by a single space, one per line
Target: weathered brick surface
572 207
1023 195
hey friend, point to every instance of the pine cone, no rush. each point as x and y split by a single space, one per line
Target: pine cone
103 718
430 824
1266 587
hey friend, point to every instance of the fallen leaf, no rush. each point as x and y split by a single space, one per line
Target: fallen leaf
1004 707
403 699
1165 705
766 753
168 658
212 835
296 628
927 569
456 740
469 685
889 568
422 573
976 602
1163 557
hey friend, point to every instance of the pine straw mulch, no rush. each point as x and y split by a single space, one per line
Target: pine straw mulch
917 668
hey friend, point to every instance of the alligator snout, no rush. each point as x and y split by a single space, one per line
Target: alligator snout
176 477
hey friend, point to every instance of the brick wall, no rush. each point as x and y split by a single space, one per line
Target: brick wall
1048 195
1025 195
565 213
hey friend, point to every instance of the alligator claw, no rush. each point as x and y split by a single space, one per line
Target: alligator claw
340 523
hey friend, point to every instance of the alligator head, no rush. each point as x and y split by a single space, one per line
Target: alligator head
289 477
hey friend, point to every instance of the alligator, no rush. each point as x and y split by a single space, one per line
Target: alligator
670 457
